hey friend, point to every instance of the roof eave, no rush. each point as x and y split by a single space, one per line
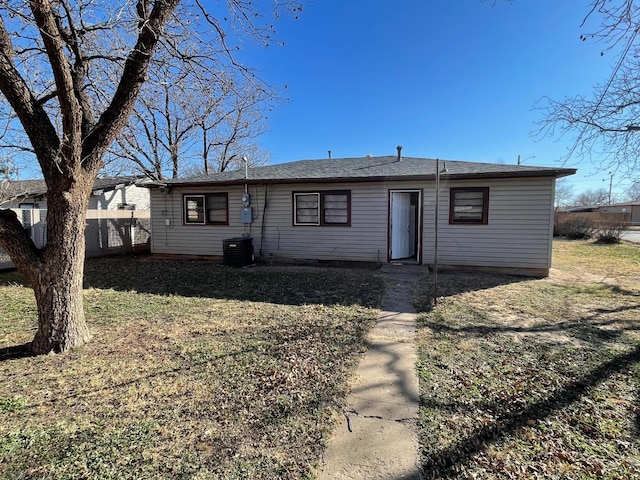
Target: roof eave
558 173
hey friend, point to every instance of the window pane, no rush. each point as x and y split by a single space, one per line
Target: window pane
336 208
194 209
306 206
469 206
217 208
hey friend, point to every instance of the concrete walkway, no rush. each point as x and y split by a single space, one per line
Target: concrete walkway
377 439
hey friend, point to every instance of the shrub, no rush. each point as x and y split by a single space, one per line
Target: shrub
574 226
611 228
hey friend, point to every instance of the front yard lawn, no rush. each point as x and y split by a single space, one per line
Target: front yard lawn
530 379
194 371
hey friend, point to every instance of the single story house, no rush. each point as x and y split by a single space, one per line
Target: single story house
108 193
369 209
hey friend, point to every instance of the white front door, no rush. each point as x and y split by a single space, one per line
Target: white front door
402 224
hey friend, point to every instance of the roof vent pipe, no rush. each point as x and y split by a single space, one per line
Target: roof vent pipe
399 147
329 154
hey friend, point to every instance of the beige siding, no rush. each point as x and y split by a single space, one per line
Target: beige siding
364 240
518 233
170 235
109 200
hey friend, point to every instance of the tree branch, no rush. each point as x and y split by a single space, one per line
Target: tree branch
30 112
16 241
70 110
133 76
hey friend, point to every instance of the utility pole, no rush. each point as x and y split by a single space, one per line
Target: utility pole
610 185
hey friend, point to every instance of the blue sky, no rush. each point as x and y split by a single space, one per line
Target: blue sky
454 79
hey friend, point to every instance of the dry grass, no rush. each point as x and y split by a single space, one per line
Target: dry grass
529 379
195 371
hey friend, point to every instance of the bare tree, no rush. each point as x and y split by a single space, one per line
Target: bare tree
229 134
606 124
6 171
592 197
71 72
633 192
188 122
165 115
564 193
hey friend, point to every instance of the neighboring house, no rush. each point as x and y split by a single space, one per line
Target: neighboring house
109 193
628 212
371 209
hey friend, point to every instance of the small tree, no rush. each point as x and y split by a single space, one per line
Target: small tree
574 226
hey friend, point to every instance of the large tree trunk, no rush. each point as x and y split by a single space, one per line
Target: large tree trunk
55 272
58 283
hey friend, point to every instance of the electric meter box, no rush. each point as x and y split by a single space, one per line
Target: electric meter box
246 215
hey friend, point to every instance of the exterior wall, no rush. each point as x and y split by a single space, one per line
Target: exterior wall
109 200
364 240
15 203
518 234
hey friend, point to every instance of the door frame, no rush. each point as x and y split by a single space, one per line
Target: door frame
418 221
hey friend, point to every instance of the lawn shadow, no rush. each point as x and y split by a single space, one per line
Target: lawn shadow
286 285
599 328
15 352
445 461
10 277
588 328
451 283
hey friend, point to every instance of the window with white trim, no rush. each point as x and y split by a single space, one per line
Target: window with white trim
331 208
469 205
206 209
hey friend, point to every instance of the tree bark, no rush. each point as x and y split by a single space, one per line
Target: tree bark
69 159
58 283
55 272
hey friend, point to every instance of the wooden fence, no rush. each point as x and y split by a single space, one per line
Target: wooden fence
108 232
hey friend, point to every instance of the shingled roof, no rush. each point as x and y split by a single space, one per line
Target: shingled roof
37 188
364 169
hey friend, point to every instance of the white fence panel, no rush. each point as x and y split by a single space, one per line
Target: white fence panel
108 231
